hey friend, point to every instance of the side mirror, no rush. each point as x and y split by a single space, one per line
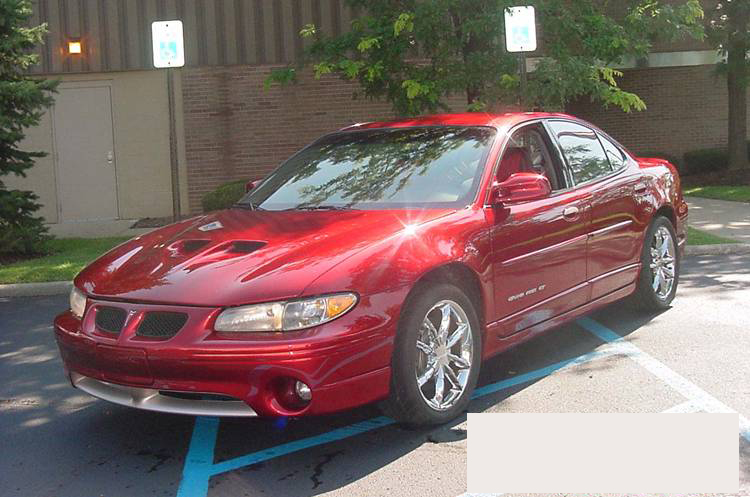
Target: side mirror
251 184
521 187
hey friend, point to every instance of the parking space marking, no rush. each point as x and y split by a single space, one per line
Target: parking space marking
692 392
199 466
687 407
200 458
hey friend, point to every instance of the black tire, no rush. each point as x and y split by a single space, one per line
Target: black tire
645 297
406 403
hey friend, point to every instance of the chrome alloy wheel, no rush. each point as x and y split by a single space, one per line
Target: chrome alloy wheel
662 262
445 350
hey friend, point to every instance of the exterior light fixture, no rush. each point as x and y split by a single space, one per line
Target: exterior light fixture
74 47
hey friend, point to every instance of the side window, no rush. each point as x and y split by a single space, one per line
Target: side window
615 155
529 151
582 151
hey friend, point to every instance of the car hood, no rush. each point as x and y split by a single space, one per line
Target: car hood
239 256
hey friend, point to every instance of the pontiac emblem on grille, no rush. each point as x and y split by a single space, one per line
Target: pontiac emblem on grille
211 226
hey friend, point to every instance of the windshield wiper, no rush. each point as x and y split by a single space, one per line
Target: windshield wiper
248 205
320 208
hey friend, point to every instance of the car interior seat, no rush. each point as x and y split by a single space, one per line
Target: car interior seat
515 160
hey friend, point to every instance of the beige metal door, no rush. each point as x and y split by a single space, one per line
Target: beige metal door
84 145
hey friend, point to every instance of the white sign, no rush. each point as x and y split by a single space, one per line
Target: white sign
520 29
168 46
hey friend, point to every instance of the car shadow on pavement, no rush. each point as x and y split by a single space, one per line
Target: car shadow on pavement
90 447
332 466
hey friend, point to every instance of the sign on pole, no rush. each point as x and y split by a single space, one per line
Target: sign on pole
520 29
168 46
169 51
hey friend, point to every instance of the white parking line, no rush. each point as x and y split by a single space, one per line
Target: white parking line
687 407
698 397
698 400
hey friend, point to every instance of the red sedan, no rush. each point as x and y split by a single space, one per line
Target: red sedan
383 262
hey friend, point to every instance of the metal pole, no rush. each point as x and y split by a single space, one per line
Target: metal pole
522 88
173 148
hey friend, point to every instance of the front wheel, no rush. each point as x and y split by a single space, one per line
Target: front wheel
660 267
436 357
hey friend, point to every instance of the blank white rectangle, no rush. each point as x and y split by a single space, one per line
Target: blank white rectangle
603 453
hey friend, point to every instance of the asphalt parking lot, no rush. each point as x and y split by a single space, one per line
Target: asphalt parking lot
59 442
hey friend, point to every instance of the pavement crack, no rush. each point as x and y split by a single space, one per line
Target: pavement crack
161 457
318 469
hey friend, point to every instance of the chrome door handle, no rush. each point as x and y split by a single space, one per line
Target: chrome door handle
640 188
571 213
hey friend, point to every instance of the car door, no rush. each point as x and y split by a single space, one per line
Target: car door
615 240
538 247
601 169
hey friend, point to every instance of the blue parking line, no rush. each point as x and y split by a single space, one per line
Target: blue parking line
199 466
199 459
304 443
536 374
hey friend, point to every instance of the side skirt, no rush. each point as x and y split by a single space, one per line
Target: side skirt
497 345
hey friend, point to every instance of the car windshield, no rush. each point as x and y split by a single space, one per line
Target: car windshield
389 168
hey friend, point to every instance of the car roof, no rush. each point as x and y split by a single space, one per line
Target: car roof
506 120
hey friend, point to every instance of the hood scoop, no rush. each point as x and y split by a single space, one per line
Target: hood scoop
186 247
245 246
223 252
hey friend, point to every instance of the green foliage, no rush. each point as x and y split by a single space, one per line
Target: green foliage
224 197
20 231
67 256
416 54
22 103
736 193
698 237
283 76
706 160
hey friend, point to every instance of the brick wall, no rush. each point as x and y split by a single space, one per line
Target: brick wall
236 130
687 110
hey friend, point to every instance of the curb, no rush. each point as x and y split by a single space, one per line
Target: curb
35 289
718 249
63 287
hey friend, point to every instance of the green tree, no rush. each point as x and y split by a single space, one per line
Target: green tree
23 100
415 53
729 30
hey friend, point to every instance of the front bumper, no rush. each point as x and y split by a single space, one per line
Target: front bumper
157 400
345 363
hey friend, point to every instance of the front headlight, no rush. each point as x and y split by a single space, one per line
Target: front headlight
77 302
285 316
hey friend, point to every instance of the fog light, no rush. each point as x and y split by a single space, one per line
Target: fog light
302 391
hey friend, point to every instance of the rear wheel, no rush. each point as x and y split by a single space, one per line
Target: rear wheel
660 267
436 357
